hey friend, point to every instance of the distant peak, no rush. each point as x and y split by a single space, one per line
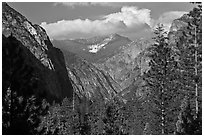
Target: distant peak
99 39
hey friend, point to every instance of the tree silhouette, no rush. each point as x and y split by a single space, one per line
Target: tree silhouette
189 47
161 81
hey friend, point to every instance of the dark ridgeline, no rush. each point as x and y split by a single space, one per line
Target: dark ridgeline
31 66
143 88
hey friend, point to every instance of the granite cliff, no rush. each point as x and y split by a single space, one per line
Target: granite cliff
128 65
30 62
87 80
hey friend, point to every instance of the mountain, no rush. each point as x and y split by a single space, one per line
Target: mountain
87 80
108 75
94 49
31 65
178 24
128 65
103 66
114 58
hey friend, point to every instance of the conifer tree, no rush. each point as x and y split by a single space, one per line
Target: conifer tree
161 81
185 118
114 118
195 44
96 116
190 65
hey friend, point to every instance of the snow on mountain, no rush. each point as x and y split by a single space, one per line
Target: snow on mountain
96 47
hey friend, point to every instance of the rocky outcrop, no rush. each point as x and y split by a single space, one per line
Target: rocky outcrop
28 50
177 24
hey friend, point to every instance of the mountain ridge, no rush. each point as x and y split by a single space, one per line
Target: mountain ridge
93 49
42 63
88 80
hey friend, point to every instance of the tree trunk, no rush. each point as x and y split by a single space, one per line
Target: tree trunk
196 73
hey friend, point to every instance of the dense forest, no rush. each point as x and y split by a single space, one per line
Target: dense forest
172 103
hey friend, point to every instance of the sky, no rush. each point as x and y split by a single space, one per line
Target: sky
70 20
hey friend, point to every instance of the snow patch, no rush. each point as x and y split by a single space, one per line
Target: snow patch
96 47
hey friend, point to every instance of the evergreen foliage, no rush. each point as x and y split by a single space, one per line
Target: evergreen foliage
189 52
163 85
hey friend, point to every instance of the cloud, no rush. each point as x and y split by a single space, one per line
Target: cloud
61 29
131 16
126 20
129 20
73 4
167 18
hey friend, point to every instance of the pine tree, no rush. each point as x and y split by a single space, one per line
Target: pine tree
133 113
114 118
24 111
195 42
189 47
185 118
161 81
96 116
61 120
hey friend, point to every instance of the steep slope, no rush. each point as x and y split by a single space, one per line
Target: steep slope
87 80
133 65
128 65
177 24
30 62
94 49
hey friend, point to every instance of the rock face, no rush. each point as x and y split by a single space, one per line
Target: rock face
28 50
128 65
87 80
177 24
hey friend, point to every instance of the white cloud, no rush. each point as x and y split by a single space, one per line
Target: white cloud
120 22
129 20
131 16
61 29
167 18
